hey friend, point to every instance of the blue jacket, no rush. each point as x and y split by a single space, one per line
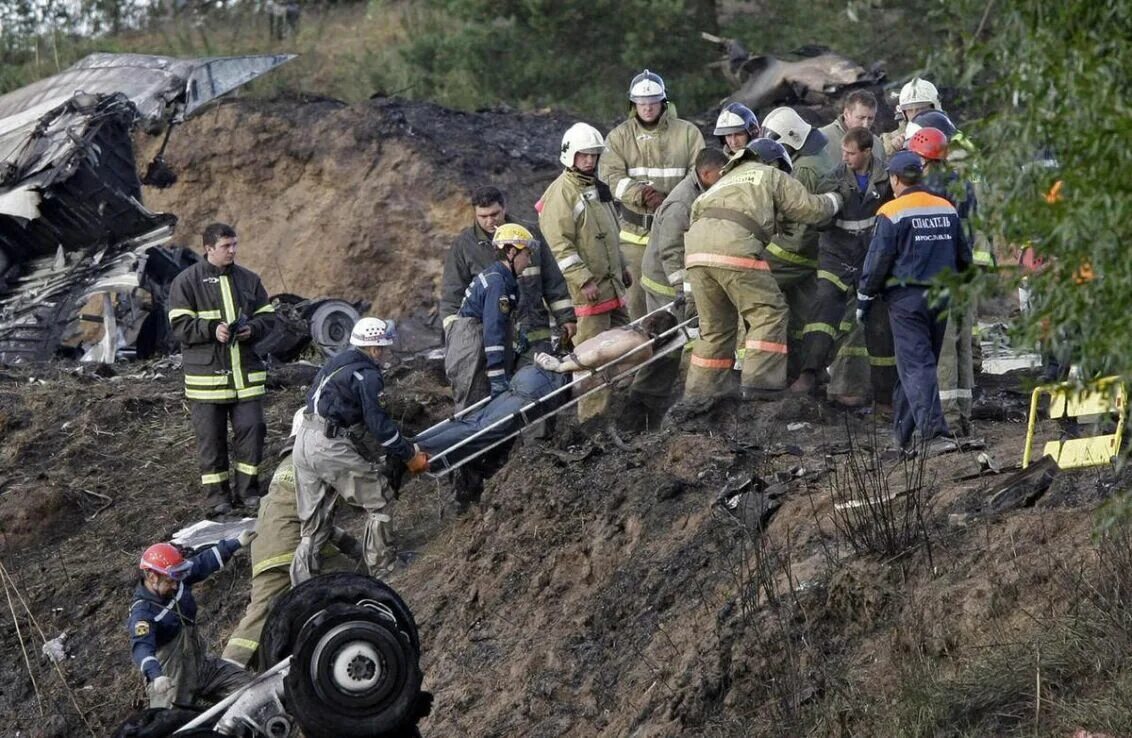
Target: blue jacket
154 622
918 235
492 297
958 191
351 386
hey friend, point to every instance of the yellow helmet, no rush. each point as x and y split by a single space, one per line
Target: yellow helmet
512 234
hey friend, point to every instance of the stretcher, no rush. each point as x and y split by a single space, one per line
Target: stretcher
665 343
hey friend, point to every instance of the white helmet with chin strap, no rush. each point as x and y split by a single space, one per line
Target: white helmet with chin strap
580 138
647 87
917 93
787 127
373 332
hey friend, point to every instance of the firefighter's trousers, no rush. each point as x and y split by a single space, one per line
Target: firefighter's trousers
210 423
324 469
754 294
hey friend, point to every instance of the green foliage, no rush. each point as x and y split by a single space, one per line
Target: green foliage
572 54
1051 78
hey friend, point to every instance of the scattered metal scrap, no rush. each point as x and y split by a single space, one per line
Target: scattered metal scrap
77 245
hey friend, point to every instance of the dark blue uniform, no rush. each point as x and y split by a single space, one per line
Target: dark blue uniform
492 298
155 622
348 388
918 236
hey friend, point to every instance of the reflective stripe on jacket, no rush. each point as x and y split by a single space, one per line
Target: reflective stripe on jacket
578 220
757 192
854 224
542 288
662 268
660 156
492 298
202 297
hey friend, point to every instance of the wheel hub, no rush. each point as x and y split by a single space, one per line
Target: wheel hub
356 666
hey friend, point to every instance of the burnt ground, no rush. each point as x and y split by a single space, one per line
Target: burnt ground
596 590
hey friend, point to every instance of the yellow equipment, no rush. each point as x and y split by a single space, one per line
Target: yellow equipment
1068 400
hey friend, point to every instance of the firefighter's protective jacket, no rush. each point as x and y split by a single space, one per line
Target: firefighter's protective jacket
797 241
202 297
853 226
492 298
347 391
662 269
660 155
542 288
578 220
154 621
733 221
918 235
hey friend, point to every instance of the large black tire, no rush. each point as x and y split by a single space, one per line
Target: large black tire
354 674
291 611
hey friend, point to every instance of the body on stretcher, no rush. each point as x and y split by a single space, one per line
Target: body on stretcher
490 423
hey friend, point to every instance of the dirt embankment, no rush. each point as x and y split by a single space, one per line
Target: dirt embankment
358 201
595 591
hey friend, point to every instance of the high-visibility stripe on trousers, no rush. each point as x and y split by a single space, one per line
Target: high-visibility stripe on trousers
754 294
210 422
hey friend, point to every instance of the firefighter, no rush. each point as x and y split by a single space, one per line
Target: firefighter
793 253
646 157
277 529
542 289
726 263
344 402
479 357
218 310
863 183
859 111
918 236
736 127
663 279
916 97
164 642
578 218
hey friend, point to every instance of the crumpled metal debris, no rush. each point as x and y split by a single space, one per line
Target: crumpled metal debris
209 532
56 649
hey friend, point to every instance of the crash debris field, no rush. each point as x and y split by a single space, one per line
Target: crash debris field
598 588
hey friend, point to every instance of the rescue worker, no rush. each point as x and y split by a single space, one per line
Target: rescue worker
863 183
646 157
663 279
956 361
343 403
164 642
916 96
725 250
480 357
793 252
218 310
736 127
542 289
918 236
858 111
578 219
277 529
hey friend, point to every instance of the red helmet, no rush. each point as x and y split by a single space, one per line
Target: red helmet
930 143
164 558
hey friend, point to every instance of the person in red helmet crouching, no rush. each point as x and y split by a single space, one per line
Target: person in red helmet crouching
164 642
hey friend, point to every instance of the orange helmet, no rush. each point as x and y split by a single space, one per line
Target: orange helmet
164 558
930 143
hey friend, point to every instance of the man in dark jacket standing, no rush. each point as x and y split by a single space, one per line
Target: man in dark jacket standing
542 288
217 311
918 237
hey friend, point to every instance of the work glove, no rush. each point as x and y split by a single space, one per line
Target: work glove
163 690
864 302
418 462
498 386
652 197
245 538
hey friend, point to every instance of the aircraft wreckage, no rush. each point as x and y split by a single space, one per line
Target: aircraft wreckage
85 267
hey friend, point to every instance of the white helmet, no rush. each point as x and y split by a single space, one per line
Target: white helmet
787 127
373 332
297 421
580 138
919 92
647 87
